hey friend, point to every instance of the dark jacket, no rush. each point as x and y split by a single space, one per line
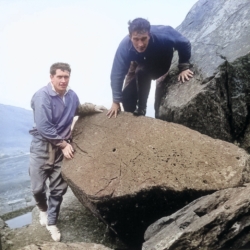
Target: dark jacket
163 41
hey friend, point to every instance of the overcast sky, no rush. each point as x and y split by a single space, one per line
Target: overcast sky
84 33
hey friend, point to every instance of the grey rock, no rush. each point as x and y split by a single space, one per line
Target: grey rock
217 221
131 171
66 246
216 101
2 224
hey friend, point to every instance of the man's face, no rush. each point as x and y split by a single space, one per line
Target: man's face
60 81
140 40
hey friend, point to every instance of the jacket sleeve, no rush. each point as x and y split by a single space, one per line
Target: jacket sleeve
183 46
43 119
86 109
119 70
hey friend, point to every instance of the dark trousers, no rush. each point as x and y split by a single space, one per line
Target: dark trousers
45 163
138 82
136 88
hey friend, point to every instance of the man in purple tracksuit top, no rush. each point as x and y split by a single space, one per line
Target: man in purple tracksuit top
144 55
54 107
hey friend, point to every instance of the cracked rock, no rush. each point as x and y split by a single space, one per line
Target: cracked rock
216 221
216 101
131 171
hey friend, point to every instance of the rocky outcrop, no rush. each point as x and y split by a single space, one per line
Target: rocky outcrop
66 246
216 101
131 171
217 221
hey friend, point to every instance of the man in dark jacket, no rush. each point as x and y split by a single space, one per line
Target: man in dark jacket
144 55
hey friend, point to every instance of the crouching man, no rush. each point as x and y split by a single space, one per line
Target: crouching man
54 107
145 54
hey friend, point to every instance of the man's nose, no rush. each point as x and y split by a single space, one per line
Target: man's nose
140 43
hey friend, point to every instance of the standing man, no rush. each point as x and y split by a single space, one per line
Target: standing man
144 55
54 107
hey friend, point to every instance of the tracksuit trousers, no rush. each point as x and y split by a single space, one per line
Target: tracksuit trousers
45 163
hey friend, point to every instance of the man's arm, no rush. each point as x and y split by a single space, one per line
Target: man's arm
119 70
183 46
44 125
89 108
43 119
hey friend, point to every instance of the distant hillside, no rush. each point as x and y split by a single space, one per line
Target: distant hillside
14 130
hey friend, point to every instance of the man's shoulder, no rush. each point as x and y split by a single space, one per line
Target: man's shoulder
164 34
42 91
125 42
72 94
160 29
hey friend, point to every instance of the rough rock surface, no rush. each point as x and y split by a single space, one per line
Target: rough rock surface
75 222
217 221
216 102
65 246
130 171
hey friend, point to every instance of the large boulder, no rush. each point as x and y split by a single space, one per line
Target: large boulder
217 221
216 102
130 171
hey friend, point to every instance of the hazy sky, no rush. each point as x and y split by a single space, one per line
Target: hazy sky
84 33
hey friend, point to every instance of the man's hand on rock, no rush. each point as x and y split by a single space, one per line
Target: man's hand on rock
68 151
185 75
114 110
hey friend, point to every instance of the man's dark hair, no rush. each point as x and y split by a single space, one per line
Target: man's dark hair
139 25
61 66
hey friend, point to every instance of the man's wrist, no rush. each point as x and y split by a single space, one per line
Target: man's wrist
62 144
117 100
184 66
116 104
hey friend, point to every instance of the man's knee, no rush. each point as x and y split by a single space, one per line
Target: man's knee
59 190
129 107
129 97
38 190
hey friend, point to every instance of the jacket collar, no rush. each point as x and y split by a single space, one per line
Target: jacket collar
52 90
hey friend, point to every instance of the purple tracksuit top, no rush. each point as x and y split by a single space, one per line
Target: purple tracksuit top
53 116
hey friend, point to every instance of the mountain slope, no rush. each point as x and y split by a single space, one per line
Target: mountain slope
14 130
